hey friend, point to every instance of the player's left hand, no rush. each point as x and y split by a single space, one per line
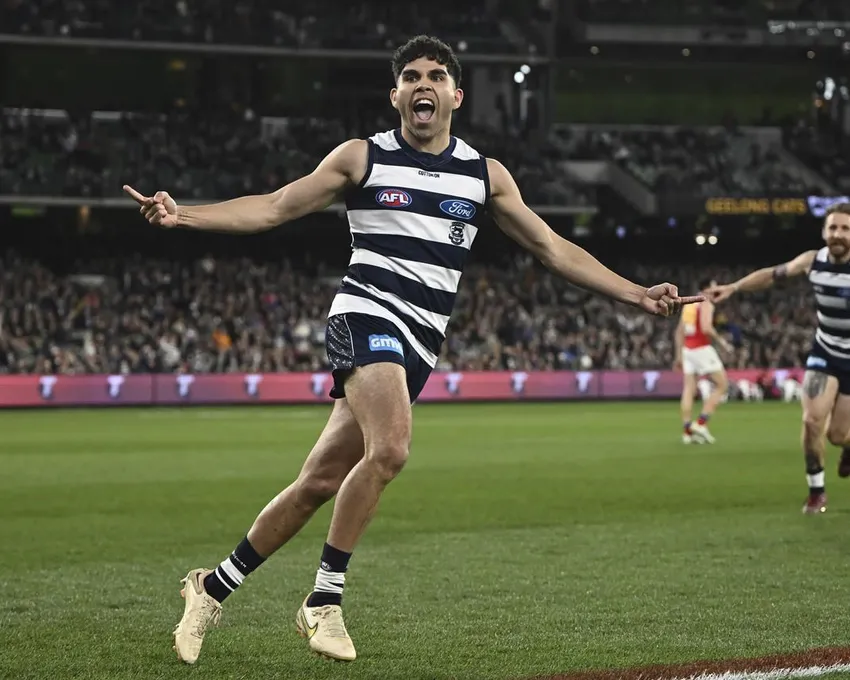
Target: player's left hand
664 300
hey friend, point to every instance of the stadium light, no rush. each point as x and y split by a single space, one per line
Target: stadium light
525 68
712 240
519 77
700 239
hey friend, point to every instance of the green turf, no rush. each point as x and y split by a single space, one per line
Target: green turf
520 540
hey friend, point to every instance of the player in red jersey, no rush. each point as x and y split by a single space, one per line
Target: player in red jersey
697 358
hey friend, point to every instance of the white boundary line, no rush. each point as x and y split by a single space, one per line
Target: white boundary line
778 674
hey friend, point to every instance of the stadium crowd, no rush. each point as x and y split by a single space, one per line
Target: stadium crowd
324 24
718 12
822 147
710 161
136 316
221 157
230 155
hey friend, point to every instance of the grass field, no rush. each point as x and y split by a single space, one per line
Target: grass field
520 540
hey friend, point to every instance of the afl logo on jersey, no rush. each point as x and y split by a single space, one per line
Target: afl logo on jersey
393 198
458 208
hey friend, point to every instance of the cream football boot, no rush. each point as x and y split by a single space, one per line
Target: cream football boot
325 631
200 612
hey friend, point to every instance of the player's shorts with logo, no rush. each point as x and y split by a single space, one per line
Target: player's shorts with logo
701 361
354 339
821 361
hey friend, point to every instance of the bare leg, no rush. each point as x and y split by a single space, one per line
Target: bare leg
378 397
337 451
721 387
838 432
838 426
686 403
819 397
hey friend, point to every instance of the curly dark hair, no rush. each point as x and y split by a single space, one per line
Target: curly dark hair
429 48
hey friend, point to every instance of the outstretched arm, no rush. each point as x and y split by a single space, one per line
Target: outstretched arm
341 168
566 259
764 278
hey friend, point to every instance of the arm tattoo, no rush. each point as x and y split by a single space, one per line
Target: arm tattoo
814 384
780 271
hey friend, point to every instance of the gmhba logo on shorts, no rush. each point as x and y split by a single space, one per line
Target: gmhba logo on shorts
393 198
385 343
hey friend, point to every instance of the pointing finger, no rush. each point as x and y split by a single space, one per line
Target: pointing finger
691 299
135 195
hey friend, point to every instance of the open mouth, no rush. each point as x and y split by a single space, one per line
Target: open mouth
423 109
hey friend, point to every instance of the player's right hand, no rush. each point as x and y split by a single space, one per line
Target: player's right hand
719 293
159 209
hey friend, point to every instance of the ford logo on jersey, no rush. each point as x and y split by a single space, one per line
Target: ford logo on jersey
394 198
385 343
458 208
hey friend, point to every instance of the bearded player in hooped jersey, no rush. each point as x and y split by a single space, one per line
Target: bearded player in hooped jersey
826 385
697 358
415 198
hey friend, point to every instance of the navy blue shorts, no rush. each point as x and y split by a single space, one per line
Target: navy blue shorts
821 361
360 339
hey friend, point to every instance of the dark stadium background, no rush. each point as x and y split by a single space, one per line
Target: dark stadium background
674 139
722 124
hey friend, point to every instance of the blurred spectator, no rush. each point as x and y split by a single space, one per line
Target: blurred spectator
140 316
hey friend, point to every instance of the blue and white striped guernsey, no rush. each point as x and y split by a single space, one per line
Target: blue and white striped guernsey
413 219
831 283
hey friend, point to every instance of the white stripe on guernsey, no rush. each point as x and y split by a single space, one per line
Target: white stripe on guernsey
823 255
449 184
465 152
351 304
831 301
838 279
832 322
386 140
837 347
776 674
439 322
220 573
408 224
230 569
431 275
